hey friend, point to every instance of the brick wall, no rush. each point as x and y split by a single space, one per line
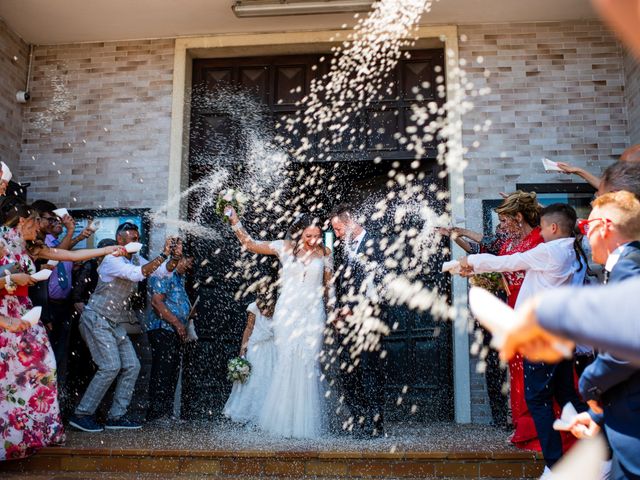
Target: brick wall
97 129
14 59
632 93
557 91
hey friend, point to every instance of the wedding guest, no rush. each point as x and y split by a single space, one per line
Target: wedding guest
610 384
166 327
246 399
553 263
59 284
519 216
102 330
31 416
80 366
358 279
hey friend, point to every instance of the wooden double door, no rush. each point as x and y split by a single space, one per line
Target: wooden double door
420 347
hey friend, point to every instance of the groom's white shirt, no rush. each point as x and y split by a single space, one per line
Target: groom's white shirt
354 244
353 247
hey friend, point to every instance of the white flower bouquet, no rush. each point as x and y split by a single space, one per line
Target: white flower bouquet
230 198
238 369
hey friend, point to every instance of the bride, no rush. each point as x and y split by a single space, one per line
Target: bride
294 405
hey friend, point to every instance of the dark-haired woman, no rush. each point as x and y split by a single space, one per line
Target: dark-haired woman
294 405
29 411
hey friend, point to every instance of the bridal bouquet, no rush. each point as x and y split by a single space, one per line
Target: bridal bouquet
494 282
238 370
230 198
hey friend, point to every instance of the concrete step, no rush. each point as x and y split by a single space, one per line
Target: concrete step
99 463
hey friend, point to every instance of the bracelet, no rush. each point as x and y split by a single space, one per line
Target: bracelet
236 227
9 286
163 255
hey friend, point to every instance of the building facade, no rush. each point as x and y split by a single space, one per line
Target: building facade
107 125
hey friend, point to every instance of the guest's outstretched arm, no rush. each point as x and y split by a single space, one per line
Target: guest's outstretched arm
61 255
535 259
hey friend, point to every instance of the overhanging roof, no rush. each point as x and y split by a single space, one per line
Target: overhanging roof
70 21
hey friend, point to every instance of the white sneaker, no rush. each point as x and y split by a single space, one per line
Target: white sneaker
547 474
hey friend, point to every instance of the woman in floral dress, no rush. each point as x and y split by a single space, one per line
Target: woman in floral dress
29 411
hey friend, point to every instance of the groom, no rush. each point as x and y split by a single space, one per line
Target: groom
359 262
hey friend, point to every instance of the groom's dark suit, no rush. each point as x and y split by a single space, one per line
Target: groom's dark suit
364 385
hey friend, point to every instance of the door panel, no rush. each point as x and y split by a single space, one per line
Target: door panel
419 348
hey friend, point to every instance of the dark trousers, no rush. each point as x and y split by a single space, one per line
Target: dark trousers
363 389
166 351
543 383
495 376
60 313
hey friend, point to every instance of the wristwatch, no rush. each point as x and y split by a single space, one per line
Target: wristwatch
163 255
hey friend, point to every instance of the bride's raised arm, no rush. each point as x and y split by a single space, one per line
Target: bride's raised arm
253 246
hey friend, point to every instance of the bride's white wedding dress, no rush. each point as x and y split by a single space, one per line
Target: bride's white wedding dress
294 405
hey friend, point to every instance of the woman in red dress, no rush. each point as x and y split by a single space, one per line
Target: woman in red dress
519 217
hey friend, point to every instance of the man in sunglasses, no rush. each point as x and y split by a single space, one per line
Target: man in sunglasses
101 327
611 385
57 291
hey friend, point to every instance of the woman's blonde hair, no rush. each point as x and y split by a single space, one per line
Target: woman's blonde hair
525 203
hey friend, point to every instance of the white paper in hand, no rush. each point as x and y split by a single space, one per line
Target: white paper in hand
582 462
6 173
133 247
550 165
61 212
53 263
495 315
42 275
563 423
452 267
33 315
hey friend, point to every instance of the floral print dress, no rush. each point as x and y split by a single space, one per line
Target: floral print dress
29 411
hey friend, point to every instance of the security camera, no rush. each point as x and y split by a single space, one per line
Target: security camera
22 96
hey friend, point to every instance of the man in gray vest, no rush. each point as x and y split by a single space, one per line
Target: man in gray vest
101 328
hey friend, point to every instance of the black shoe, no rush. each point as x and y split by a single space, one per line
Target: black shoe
122 423
86 423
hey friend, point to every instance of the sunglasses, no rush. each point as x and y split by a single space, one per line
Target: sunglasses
585 225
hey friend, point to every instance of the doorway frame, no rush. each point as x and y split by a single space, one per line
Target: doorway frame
308 42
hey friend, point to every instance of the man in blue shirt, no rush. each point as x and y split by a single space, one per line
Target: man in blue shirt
166 326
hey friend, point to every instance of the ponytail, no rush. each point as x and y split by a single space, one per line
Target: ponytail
581 256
